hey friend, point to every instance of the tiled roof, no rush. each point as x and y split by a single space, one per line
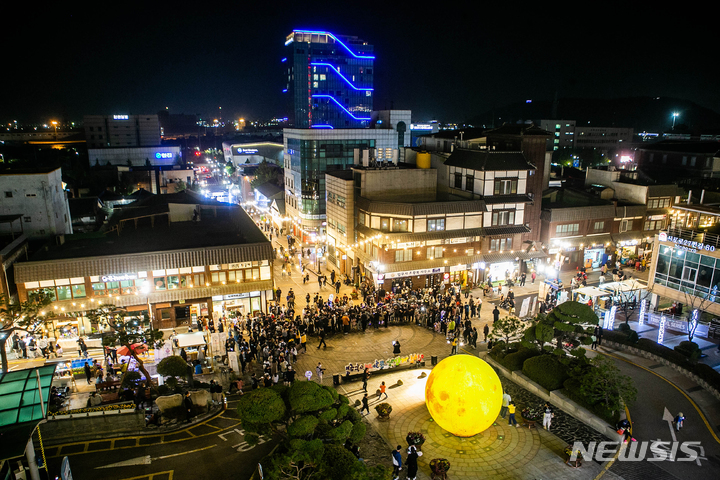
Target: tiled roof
488 160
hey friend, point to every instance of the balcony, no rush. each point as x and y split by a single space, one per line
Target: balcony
695 236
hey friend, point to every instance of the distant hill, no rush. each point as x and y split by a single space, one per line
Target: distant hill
652 114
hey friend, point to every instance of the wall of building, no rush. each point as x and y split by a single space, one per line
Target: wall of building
135 156
121 130
402 184
40 199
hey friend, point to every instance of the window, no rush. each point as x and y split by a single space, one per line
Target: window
384 224
8 194
436 224
469 183
567 230
458 180
219 277
27 219
599 225
506 186
626 225
400 225
361 218
403 255
503 217
434 252
500 244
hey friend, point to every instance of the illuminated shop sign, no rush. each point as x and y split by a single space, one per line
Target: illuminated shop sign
687 245
121 117
247 151
164 155
420 126
119 278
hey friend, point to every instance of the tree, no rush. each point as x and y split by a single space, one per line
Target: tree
699 303
314 423
126 332
29 316
572 323
604 383
265 173
173 366
180 186
629 298
507 328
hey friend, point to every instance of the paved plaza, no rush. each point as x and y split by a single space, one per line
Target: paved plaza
501 451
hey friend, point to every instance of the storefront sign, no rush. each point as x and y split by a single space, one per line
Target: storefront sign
458 268
235 296
382 364
478 266
238 266
687 245
412 273
628 243
119 278
410 244
459 240
163 155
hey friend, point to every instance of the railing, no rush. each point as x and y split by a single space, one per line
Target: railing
695 235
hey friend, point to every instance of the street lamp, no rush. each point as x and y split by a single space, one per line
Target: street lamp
674 116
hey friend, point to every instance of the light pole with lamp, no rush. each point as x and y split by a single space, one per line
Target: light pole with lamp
674 116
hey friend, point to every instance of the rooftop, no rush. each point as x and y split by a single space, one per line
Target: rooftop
225 227
488 160
570 198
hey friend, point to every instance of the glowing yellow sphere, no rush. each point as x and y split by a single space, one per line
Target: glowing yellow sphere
463 395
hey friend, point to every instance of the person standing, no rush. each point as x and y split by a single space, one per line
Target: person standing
547 416
522 279
486 331
533 276
397 462
511 418
411 462
505 403
319 371
594 342
679 421
366 375
598 334
396 347
88 372
496 314
454 346
365 405
188 405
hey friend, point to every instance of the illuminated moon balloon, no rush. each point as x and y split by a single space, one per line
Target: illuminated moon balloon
463 395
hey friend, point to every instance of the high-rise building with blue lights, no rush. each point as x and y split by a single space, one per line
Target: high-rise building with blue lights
329 80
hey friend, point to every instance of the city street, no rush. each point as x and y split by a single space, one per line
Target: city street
211 449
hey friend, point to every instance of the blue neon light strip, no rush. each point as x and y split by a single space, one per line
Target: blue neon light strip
334 69
314 32
323 126
339 105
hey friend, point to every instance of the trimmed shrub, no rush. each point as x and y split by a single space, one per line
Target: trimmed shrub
303 426
663 352
572 391
707 373
691 350
514 361
546 370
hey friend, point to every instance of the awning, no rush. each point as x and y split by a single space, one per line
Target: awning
591 292
585 241
190 339
20 407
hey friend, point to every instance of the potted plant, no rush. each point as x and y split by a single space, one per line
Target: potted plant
415 438
354 294
383 410
439 468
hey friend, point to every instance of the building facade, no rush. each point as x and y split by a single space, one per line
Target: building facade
310 153
103 131
329 80
172 268
41 200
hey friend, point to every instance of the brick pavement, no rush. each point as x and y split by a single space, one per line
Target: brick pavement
499 452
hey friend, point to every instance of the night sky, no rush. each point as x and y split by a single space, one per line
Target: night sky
447 62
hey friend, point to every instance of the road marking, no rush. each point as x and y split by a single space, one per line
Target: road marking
697 408
147 460
667 416
184 453
239 432
136 438
150 476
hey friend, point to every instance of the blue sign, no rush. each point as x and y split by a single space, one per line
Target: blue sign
164 155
